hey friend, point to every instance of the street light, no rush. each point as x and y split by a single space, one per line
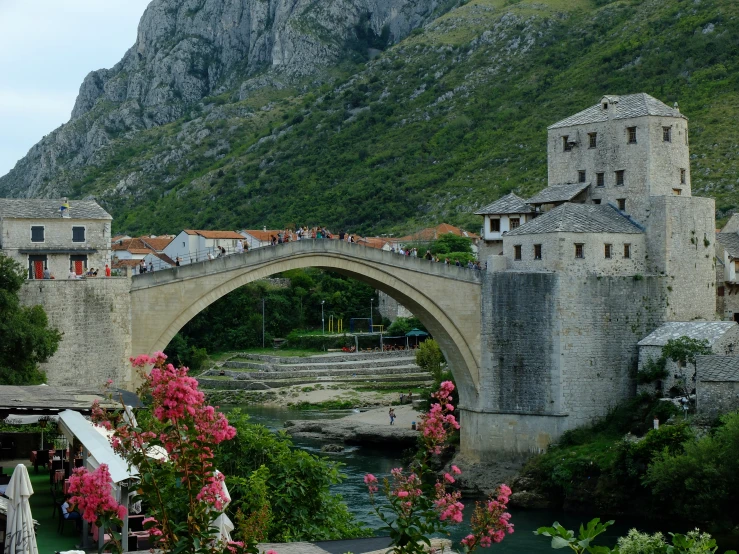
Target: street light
323 325
262 322
372 327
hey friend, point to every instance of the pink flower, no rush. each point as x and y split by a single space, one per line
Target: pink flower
401 494
448 478
456 470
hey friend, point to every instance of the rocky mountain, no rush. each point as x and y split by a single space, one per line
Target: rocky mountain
397 114
188 50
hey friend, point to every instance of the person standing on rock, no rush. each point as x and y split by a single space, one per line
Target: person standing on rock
391 413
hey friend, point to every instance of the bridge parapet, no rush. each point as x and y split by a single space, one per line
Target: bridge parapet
271 254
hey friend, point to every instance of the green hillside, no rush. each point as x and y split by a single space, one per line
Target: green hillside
452 117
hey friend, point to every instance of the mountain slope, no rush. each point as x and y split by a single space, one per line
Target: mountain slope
453 116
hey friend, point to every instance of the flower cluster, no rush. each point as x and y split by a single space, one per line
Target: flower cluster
181 437
490 521
436 425
92 495
448 503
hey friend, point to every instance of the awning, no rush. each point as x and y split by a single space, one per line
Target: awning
416 333
73 424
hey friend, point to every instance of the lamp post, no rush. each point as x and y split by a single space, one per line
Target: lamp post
372 327
323 325
42 421
262 322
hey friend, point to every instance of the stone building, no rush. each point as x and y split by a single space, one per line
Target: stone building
617 245
722 338
55 236
194 246
727 270
503 215
717 384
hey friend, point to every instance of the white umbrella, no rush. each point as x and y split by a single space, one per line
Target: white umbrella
223 523
20 537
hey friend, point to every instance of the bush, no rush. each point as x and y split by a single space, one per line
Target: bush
403 325
430 358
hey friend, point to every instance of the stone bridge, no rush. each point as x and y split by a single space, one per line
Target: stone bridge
445 298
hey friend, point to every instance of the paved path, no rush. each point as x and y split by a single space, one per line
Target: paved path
374 545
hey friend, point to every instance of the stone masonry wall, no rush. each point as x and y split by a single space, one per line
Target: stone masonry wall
94 316
717 397
557 352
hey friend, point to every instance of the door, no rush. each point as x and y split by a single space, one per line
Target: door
36 266
78 264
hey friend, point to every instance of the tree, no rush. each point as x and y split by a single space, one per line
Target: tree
684 351
430 358
449 243
25 336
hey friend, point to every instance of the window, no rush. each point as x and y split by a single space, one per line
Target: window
37 233
579 250
515 222
677 192
620 178
36 266
593 139
632 135
183 243
666 134
517 252
566 144
596 201
600 179
495 225
608 251
605 105
621 204
682 176
78 234
581 176
537 251
627 251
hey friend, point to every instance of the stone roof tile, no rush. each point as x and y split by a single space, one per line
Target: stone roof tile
709 330
717 368
558 193
45 208
508 204
578 218
730 242
620 107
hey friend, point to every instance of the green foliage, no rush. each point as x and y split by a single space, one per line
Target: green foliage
297 484
184 354
418 154
234 322
25 337
685 349
635 542
403 325
430 358
701 481
450 243
583 542
653 371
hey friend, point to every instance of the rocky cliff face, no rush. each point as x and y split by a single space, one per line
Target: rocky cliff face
190 49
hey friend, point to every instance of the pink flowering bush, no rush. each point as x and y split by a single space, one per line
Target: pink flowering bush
420 504
92 495
173 451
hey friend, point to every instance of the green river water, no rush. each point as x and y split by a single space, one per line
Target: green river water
359 461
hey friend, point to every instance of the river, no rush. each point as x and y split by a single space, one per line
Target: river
360 461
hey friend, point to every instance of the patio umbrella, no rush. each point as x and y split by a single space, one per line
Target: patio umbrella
223 523
19 535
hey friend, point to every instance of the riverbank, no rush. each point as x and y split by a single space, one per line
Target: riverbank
370 428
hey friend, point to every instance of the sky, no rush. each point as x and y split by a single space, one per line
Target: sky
47 47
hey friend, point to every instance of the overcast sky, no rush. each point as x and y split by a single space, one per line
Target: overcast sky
47 47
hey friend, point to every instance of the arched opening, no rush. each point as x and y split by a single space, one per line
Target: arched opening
448 305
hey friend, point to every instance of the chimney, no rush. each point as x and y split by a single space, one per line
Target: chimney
264 228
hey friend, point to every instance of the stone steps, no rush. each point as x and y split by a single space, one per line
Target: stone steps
314 373
323 366
321 358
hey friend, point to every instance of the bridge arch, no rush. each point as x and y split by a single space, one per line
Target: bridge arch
445 298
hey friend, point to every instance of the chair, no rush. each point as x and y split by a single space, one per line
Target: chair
54 503
42 458
55 465
63 521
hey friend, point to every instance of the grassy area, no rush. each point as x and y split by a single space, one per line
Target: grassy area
283 352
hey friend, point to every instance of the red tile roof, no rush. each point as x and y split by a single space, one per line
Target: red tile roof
157 243
433 233
215 234
261 235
